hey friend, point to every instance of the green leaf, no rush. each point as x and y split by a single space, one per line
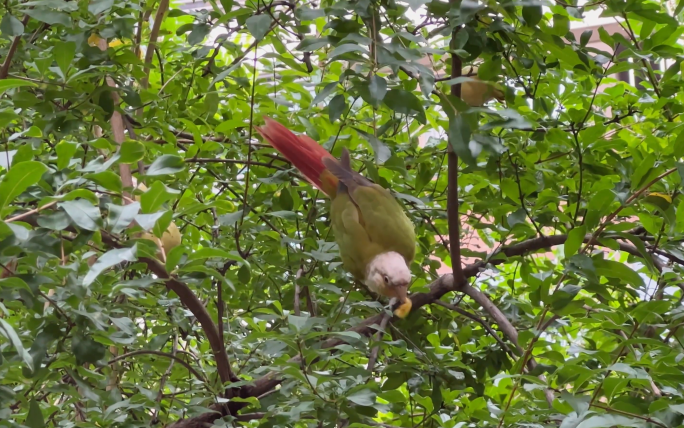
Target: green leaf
561 25
64 53
165 165
364 397
131 151
147 221
65 153
258 25
585 37
639 244
404 102
10 334
655 16
6 84
11 26
285 200
603 421
58 220
377 88
84 214
679 145
109 259
198 34
24 153
382 152
562 297
120 217
49 16
154 197
574 241
532 14
327 90
613 269
86 350
227 5
14 282
244 274
437 398
313 43
97 7
345 49
459 138
34 418
19 179
107 179
162 225
337 107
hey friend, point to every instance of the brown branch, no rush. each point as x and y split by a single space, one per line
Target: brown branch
236 161
173 357
187 297
195 306
4 70
452 194
117 124
154 34
437 289
632 415
28 213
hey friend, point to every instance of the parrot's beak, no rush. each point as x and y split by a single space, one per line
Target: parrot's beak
402 292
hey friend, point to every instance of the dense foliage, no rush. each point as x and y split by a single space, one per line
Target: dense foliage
568 316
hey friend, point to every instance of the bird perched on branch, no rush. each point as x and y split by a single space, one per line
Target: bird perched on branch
375 237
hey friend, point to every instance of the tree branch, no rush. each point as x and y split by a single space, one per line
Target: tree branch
480 321
452 195
376 349
437 289
154 34
195 306
186 296
173 357
4 70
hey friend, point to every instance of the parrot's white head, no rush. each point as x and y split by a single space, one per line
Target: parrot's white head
389 275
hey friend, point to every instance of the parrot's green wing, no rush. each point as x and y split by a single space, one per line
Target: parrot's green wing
367 219
385 220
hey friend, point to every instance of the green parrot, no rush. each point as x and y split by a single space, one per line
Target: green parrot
376 239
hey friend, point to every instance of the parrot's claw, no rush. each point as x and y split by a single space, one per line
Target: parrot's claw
393 301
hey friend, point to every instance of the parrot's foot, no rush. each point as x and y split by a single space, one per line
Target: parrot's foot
392 302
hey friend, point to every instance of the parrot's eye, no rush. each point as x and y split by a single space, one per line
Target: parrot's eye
386 278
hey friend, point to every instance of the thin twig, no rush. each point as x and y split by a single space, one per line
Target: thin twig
4 70
161 354
478 320
29 213
376 349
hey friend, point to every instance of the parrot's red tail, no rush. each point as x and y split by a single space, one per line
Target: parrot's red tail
304 153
